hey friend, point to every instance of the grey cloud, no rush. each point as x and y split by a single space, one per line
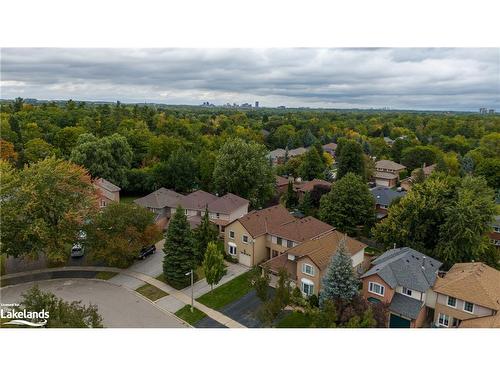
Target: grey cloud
436 78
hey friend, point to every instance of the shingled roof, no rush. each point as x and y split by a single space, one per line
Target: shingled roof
105 184
384 195
407 268
278 221
472 282
198 200
160 198
321 249
389 164
227 204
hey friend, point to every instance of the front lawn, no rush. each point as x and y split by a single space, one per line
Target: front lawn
151 292
295 319
229 292
105 275
129 199
190 317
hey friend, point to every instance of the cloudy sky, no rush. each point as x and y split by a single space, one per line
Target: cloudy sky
435 79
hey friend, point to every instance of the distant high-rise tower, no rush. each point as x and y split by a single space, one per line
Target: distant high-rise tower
256 104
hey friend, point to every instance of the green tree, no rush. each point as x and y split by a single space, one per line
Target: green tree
178 172
37 149
324 317
366 320
43 207
417 156
119 232
205 233
339 284
179 251
107 157
261 282
213 264
242 168
490 169
62 314
290 198
350 159
312 165
348 204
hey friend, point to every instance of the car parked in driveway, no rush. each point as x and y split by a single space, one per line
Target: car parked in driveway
147 251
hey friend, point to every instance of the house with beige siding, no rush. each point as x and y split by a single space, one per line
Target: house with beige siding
267 233
306 263
107 192
387 173
403 279
468 296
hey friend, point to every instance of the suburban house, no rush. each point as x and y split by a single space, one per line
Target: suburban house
299 186
307 262
494 235
330 148
387 173
267 233
222 210
468 296
279 155
107 192
383 198
407 183
402 278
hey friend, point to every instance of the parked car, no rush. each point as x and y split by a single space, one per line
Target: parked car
147 251
77 251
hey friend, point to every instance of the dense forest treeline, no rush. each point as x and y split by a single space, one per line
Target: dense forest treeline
143 147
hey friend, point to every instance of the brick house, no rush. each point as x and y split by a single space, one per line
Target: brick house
403 279
387 173
383 197
107 192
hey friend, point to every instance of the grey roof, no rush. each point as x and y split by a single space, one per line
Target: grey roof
227 204
405 306
105 184
388 164
160 198
197 200
384 195
407 268
297 151
278 153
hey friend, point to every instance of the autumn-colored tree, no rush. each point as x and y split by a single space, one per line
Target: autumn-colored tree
7 151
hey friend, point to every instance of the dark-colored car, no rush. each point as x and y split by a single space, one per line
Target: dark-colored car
147 251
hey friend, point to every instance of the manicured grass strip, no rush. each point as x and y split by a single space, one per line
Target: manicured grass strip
190 317
128 199
105 275
151 292
229 292
161 278
295 319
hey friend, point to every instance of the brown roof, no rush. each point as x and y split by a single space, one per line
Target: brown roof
160 198
281 181
309 185
300 230
472 282
276 220
320 250
429 169
279 262
330 146
227 204
198 200
492 321
384 175
389 164
257 222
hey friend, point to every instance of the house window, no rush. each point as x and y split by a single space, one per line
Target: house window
232 250
231 234
279 240
217 215
307 269
456 322
103 203
444 320
376 288
289 243
307 287
497 229
407 291
469 307
244 239
452 301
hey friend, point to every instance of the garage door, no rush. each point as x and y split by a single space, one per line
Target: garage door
245 259
398 322
382 182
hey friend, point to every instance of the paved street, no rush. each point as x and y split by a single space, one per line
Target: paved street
119 307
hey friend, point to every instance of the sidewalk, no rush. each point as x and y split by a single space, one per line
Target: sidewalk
182 296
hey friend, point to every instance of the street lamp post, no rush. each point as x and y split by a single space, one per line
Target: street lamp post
192 292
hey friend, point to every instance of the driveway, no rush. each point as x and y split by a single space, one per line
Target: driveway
151 266
119 307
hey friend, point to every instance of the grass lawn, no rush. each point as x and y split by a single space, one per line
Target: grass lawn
151 292
128 199
229 292
190 317
2 264
105 275
161 278
295 319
